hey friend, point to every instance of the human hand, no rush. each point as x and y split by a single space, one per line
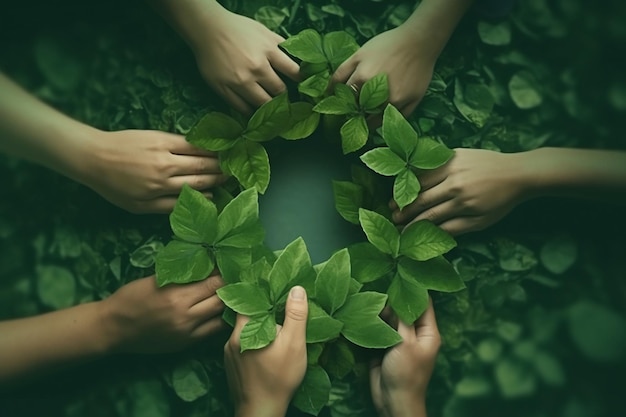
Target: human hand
142 318
240 58
474 190
262 382
399 382
143 171
399 53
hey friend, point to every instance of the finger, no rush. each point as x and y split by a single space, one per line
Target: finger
425 200
253 94
208 328
377 395
160 205
460 225
190 165
236 101
296 312
281 62
439 213
197 182
426 325
344 71
234 342
180 146
207 309
432 178
272 83
408 109
201 290
407 332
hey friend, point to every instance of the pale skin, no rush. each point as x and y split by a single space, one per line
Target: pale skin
141 171
407 54
477 188
139 318
237 56
262 382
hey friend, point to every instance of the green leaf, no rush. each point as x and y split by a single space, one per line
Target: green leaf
514 257
306 45
408 298
348 200
249 163
320 326
270 120
194 218
215 132
190 380
423 240
354 134
143 256
338 358
334 105
306 121
430 154
515 379
559 254
368 263
257 272
383 161
338 46
259 332
312 394
380 232
346 94
406 188
333 281
231 261
271 16
549 369
362 326
374 92
292 267
313 353
182 262
496 34
475 102
316 85
525 90
238 224
598 332
434 274
245 298
398 133
56 286
473 386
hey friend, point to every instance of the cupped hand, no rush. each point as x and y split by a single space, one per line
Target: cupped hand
400 54
142 318
240 59
143 171
400 380
474 190
262 382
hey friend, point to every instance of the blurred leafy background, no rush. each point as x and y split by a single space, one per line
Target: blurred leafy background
541 329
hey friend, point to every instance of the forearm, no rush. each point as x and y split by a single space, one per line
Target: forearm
38 345
262 410
433 22
580 173
32 130
409 407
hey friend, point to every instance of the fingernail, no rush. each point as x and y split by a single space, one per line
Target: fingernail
297 293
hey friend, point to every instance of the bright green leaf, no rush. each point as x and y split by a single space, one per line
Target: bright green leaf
259 332
338 46
249 163
270 120
333 281
182 262
306 45
380 232
306 121
334 105
245 298
315 85
348 200
293 267
240 217
231 261
271 16
408 298
321 327
434 274
215 132
383 161
430 154
194 218
312 394
398 133
368 263
354 134
374 92
406 188
423 240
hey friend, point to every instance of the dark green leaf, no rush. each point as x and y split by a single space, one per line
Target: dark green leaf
182 262
406 188
231 261
407 298
384 161
368 263
306 121
559 254
312 394
143 256
475 102
423 240
398 133
215 132
56 286
354 134
321 327
430 154
598 332
333 281
348 200
515 257
525 91
245 298
434 274
190 380
374 92
259 332
194 218
306 45
496 34
271 16
270 120
515 379
249 163
380 232
338 358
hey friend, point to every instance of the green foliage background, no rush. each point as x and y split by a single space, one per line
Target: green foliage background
541 330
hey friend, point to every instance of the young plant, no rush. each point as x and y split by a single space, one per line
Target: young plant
405 154
354 132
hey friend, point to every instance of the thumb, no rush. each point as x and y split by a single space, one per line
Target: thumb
296 312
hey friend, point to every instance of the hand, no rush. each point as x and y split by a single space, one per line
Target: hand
399 53
143 171
475 189
142 318
399 382
263 381
240 58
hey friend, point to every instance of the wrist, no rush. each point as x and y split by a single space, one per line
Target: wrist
263 408
405 405
109 334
